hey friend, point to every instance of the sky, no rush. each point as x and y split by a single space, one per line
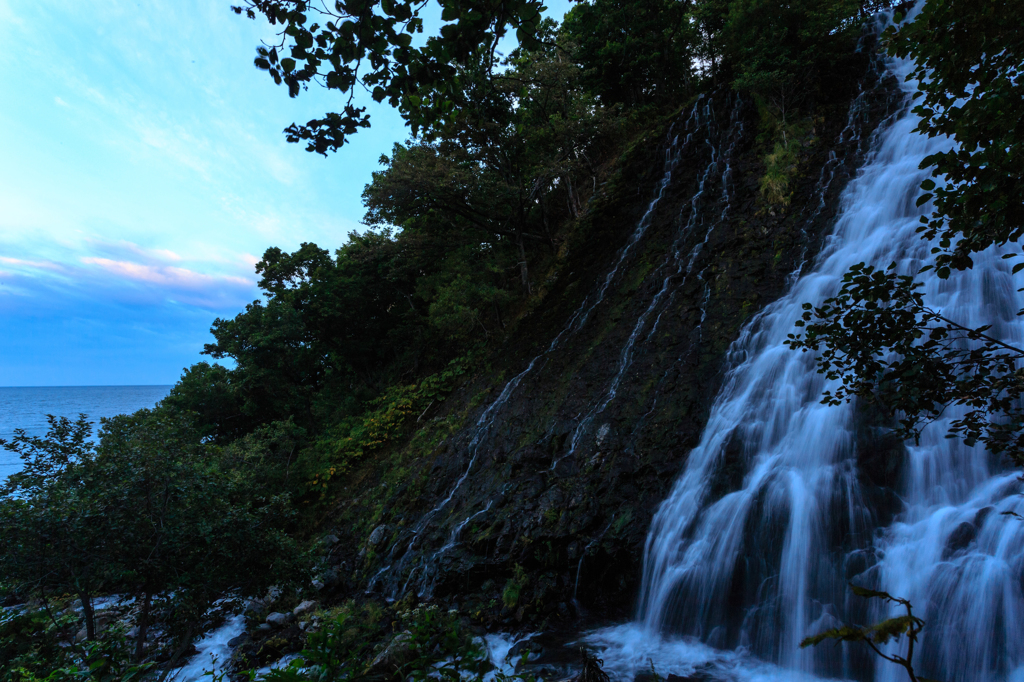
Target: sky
143 172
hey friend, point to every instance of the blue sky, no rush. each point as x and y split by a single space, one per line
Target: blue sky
142 173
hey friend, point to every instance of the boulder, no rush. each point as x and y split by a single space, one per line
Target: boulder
377 536
305 607
238 641
278 620
962 536
396 654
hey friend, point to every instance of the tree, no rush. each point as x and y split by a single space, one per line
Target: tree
209 391
184 527
54 540
634 52
347 44
149 512
968 56
891 350
329 325
521 139
784 52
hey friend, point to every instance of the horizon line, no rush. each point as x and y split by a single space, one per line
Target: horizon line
93 386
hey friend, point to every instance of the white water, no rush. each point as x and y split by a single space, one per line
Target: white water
213 652
737 573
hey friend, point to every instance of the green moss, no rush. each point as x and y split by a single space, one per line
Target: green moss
514 587
621 521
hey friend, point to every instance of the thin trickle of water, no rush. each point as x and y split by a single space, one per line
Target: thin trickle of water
773 513
676 263
583 555
673 154
453 537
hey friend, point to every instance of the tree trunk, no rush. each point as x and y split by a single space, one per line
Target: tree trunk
140 640
89 614
522 263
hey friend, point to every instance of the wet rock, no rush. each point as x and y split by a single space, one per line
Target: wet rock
377 536
983 513
239 640
278 620
858 562
549 655
304 608
695 677
331 540
327 579
396 654
961 537
257 605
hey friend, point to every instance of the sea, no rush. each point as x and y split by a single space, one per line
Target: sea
26 408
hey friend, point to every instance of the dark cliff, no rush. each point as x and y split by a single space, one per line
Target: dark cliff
526 496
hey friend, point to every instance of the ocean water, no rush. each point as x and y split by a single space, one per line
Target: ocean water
27 407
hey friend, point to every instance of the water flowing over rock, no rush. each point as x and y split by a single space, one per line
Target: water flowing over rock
774 512
573 441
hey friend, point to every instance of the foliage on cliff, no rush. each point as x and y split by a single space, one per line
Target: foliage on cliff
468 216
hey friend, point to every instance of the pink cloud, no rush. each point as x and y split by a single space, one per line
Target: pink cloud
166 275
39 264
127 248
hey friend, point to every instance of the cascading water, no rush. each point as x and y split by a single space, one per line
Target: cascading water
774 512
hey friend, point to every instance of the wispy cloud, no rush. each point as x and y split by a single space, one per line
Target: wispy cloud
145 166
165 276
126 249
7 15
35 264
126 273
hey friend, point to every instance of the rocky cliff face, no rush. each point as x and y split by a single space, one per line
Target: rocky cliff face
527 495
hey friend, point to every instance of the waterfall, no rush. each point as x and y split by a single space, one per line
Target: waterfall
775 510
